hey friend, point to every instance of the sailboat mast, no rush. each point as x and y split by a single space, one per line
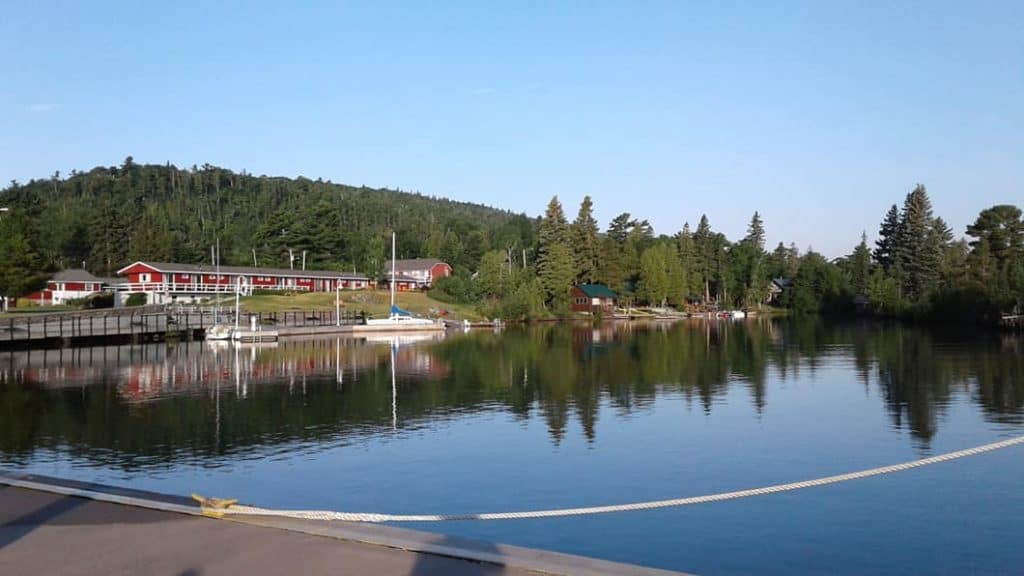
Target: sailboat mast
392 271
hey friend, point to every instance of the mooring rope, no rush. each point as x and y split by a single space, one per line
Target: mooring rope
215 507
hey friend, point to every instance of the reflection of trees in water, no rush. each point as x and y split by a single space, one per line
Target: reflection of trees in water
915 381
561 374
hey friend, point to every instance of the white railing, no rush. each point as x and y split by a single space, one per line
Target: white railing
195 288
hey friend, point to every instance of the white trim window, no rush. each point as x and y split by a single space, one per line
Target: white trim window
145 277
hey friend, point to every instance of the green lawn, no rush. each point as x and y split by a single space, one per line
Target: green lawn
375 303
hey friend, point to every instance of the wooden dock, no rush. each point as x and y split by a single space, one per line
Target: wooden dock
254 336
151 324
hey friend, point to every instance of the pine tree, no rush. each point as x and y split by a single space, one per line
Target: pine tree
749 259
918 255
585 245
888 234
860 266
703 241
687 261
554 264
755 232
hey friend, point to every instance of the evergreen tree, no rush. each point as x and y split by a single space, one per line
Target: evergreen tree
918 255
688 263
585 243
555 263
704 247
749 264
860 266
888 236
755 232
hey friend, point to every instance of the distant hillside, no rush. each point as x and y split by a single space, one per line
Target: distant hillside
108 217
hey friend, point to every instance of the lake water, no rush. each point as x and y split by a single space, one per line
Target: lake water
566 416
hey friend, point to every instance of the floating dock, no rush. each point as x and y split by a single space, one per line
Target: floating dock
55 526
254 336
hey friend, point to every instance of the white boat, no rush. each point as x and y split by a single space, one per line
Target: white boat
219 332
738 314
400 319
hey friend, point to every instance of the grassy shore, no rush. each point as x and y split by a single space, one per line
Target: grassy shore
374 303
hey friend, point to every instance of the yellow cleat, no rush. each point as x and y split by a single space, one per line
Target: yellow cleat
213 507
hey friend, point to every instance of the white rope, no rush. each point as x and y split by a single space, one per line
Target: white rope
362 517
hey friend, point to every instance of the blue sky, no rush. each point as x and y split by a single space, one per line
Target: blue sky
819 114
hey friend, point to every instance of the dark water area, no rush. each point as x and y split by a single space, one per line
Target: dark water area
567 416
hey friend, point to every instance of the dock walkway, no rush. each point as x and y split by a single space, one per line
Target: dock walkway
48 533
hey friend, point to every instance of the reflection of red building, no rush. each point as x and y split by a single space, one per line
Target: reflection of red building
143 374
419 362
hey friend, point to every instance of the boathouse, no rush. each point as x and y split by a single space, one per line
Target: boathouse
592 298
163 282
423 270
66 285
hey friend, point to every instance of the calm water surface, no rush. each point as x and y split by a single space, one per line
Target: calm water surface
564 417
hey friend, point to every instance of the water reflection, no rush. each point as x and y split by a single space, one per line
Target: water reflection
155 404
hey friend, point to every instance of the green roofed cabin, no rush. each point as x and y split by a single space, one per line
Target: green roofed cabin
592 297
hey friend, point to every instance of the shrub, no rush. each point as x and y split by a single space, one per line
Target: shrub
137 299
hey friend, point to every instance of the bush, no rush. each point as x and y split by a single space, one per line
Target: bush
100 300
456 289
136 300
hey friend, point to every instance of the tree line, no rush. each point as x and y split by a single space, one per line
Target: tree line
917 267
108 217
511 265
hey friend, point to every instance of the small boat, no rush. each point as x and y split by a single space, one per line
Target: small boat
219 332
738 314
400 319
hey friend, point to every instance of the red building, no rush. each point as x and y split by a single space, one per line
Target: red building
163 281
593 297
67 285
424 271
402 283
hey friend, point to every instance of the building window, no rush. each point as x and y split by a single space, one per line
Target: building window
144 277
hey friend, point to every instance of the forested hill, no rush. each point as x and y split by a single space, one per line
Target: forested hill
108 217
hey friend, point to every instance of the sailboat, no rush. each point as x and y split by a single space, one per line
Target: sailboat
399 319
220 329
